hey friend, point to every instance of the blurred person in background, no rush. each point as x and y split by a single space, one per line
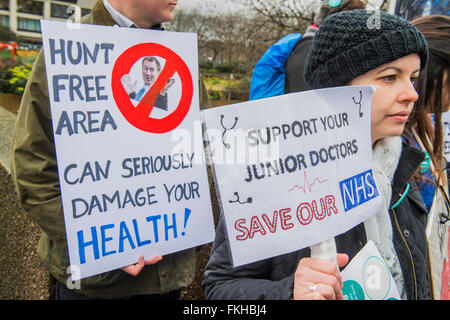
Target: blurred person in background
424 131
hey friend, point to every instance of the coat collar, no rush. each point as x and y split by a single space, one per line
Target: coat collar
410 160
101 16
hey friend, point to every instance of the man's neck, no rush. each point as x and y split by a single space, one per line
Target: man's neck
118 17
133 13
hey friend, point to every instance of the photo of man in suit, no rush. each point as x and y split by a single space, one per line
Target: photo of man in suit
151 69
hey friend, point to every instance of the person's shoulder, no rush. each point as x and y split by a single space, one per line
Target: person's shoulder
99 15
87 19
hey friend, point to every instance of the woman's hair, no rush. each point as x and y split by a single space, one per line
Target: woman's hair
152 59
326 10
433 81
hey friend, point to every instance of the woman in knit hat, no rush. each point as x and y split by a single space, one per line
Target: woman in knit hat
349 49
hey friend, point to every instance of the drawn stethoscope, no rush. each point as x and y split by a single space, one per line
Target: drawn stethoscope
249 199
358 103
227 145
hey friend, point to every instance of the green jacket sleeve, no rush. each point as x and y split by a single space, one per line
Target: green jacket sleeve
33 156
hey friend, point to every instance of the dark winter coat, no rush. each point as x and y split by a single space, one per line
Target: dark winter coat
274 278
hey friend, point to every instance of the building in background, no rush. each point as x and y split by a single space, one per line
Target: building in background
23 16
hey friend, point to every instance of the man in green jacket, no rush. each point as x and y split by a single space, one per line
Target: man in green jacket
35 173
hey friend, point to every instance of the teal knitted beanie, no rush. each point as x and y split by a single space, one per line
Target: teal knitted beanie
351 43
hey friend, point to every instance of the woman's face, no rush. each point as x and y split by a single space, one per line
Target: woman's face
394 97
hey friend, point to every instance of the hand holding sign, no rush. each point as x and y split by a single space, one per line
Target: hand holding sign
135 269
318 279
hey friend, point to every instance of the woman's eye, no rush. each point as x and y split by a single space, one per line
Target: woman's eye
414 80
389 78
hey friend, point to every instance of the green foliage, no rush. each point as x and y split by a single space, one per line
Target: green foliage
208 65
216 83
214 94
222 86
5 86
14 73
242 84
13 80
225 67
232 67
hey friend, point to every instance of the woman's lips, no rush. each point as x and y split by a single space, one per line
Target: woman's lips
400 117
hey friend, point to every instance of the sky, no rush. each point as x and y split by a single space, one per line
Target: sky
206 4
193 3
228 4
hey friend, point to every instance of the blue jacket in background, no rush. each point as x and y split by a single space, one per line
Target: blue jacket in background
269 75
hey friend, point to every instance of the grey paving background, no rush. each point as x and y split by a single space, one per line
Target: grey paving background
22 275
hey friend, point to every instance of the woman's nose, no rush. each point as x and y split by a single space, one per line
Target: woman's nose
409 93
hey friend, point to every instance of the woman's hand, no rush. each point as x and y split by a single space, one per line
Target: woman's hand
318 279
135 269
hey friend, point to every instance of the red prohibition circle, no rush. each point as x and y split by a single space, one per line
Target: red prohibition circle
139 116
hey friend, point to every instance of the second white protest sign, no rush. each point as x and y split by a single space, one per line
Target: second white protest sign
293 170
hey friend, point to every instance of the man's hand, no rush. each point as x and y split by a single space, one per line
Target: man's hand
127 84
135 269
167 86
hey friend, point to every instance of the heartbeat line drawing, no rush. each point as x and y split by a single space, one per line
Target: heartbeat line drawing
306 185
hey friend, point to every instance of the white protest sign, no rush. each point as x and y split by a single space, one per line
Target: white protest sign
367 277
446 134
437 232
438 228
293 170
127 187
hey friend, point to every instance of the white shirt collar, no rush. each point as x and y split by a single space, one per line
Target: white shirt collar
119 18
